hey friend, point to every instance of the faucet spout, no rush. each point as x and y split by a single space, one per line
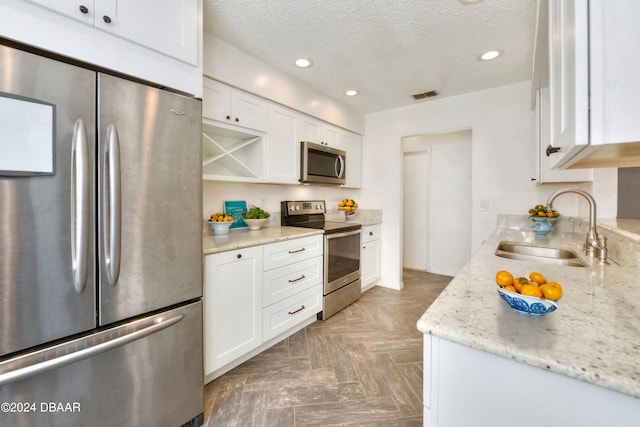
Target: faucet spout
594 245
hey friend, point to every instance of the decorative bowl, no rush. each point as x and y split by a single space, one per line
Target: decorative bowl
526 304
256 224
220 227
541 225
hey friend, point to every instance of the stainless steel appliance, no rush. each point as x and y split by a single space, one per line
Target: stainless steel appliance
320 164
341 252
100 249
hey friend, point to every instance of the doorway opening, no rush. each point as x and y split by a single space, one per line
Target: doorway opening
437 202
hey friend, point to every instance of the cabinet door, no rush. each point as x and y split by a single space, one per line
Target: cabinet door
352 144
248 111
329 136
310 130
167 26
76 9
543 162
283 145
569 77
370 258
233 306
216 101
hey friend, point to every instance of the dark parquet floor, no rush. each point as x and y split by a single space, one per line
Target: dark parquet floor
361 367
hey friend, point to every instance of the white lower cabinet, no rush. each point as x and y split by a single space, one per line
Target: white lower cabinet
370 255
256 295
496 391
232 305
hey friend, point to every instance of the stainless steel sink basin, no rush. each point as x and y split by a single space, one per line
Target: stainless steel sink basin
547 255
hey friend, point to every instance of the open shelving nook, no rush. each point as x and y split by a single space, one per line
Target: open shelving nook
231 154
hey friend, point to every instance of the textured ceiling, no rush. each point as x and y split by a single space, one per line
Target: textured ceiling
386 49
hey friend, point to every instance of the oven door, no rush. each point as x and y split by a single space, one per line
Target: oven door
341 259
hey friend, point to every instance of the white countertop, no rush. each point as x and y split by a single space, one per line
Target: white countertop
594 336
243 238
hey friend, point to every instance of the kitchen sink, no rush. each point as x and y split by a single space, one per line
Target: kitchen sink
548 255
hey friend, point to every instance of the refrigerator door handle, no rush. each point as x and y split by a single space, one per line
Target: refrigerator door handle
80 206
38 362
111 206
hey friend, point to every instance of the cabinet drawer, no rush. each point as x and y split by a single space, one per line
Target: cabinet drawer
287 313
283 282
370 232
290 251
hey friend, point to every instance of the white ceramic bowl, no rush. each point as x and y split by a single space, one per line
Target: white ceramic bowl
220 227
256 224
526 304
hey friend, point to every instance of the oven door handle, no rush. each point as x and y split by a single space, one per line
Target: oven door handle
345 234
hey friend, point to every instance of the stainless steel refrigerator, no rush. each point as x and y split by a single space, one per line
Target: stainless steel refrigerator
100 248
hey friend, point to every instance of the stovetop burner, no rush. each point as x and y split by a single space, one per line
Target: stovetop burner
311 214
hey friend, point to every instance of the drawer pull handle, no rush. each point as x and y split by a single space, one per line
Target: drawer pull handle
296 251
300 309
297 280
371 233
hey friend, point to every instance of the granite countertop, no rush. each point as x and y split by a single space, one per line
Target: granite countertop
244 238
594 336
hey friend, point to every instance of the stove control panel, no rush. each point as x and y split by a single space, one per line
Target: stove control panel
305 207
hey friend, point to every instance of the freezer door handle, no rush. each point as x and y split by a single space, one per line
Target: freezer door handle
80 205
111 205
38 362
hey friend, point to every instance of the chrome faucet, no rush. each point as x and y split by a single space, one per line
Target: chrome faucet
595 245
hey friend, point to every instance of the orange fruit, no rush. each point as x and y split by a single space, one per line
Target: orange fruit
531 290
538 278
542 213
549 291
504 278
510 288
519 283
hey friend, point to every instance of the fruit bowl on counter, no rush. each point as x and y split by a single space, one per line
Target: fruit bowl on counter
220 223
532 295
349 207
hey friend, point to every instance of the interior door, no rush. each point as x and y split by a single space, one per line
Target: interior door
149 198
47 286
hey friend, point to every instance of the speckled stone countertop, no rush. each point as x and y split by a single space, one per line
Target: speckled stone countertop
244 238
594 336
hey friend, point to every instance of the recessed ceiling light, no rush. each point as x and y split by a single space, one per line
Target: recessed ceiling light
303 63
351 92
489 55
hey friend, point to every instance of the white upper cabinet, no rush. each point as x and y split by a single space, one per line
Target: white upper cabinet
594 91
352 144
167 26
225 104
317 131
283 145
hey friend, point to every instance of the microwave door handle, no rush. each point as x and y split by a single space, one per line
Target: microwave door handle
339 166
80 206
111 206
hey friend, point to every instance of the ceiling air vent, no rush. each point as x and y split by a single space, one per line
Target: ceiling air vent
425 95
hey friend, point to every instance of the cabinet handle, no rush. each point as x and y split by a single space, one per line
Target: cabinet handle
228 117
83 9
239 256
298 250
534 179
297 280
300 309
237 119
106 19
550 150
371 233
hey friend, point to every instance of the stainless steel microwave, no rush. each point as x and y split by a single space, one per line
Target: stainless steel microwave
320 164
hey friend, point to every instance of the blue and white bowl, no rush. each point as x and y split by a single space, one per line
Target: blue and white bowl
526 304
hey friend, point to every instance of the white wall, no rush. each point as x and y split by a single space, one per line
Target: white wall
502 136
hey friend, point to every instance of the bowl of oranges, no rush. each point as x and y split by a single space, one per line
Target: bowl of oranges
220 223
532 295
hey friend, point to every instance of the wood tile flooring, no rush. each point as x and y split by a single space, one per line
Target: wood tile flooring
361 367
